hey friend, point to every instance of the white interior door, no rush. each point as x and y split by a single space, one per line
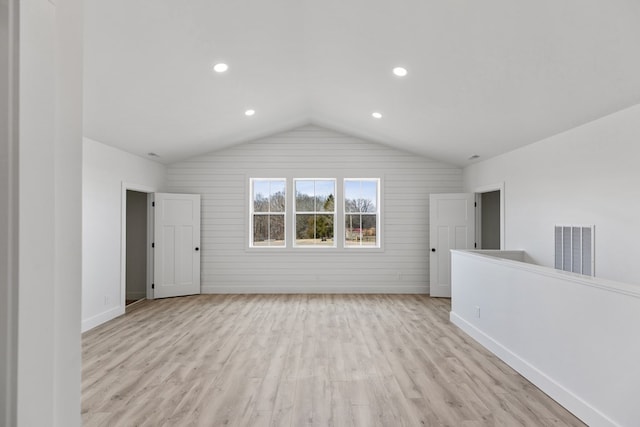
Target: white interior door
451 226
176 245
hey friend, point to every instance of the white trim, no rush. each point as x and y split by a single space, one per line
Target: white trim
486 189
101 318
556 391
151 218
314 289
9 218
123 241
514 255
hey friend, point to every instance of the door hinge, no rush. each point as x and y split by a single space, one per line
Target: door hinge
475 204
153 286
475 245
153 245
153 204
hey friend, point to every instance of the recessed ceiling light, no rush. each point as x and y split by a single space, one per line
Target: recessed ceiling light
220 67
474 156
376 115
400 71
249 113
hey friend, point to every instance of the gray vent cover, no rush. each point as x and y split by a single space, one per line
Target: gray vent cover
574 249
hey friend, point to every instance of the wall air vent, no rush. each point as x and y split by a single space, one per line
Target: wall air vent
574 248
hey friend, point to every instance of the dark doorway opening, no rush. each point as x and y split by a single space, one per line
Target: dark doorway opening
490 220
136 247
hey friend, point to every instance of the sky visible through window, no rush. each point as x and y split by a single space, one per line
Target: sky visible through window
311 195
360 196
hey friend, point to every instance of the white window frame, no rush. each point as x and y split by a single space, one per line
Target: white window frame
378 214
252 213
334 213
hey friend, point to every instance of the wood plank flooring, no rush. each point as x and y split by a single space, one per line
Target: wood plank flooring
301 360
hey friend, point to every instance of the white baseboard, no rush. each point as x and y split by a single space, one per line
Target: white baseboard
101 318
320 289
572 402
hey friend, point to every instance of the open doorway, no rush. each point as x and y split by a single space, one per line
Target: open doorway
136 262
490 220
136 247
490 217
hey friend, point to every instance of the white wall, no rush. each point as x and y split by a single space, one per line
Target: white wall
588 175
575 337
222 177
68 212
49 233
104 171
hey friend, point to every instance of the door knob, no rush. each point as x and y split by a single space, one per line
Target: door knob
197 249
433 249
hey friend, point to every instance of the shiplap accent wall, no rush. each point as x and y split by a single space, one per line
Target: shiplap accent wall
222 179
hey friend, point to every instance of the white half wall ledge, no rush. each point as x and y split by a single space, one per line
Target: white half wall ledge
514 257
517 255
573 336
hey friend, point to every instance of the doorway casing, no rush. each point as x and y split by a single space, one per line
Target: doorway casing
123 251
487 189
9 212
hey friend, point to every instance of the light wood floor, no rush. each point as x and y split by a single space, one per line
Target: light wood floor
301 360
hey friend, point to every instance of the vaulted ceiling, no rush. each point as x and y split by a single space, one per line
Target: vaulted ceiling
484 77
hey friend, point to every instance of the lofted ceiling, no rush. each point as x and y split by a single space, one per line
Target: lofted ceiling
484 77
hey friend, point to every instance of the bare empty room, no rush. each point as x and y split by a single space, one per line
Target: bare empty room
294 213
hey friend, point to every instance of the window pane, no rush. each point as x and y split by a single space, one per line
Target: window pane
328 204
324 230
325 199
269 195
261 196
305 198
351 195
278 202
261 230
360 230
352 229
305 229
277 193
276 230
369 233
369 196
360 196
314 230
